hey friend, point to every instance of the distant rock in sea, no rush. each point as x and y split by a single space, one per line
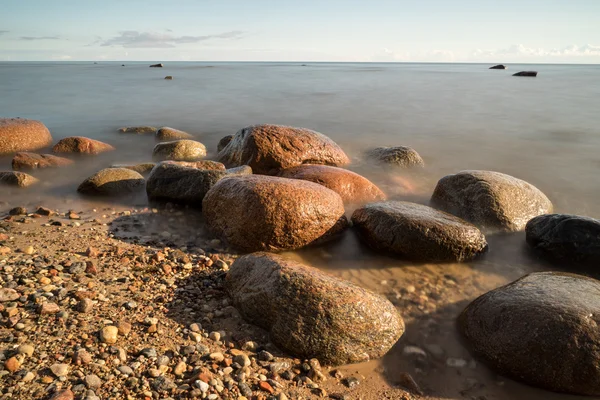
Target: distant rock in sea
156 66
499 66
169 77
526 73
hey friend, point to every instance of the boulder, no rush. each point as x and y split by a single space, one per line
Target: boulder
17 134
541 329
224 142
204 164
526 73
179 150
499 66
156 66
15 178
168 134
141 168
569 239
28 161
400 156
258 212
352 187
81 145
138 129
490 200
173 182
311 314
169 77
112 182
268 149
417 232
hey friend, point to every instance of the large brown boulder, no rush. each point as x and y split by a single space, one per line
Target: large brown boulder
81 145
224 142
28 161
179 150
268 149
311 314
352 187
568 239
15 178
258 212
541 329
400 156
17 134
112 182
490 200
417 232
170 181
166 134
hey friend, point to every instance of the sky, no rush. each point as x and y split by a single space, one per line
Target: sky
495 31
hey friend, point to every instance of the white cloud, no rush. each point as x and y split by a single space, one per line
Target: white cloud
523 51
136 39
62 58
388 55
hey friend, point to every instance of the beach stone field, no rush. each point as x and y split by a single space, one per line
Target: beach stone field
205 291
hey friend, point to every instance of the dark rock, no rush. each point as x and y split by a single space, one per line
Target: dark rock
352 187
165 134
541 329
418 232
311 314
569 239
400 156
112 182
28 161
499 66
18 211
156 66
257 212
16 178
224 142
526 73
17 134
490 200
268 149
138 129
179 150
81 145
169 77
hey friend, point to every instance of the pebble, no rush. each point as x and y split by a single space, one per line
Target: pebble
49 308
216 336
29 250
124 369
195 327
149 352
180 368
414 351
26 349
66 394
203 386
7 294
218 357
12 364
124 327
242 360
351 382
108 334
85 305
93 381
59 369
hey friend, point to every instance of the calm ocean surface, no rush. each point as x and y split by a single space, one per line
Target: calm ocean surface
457 116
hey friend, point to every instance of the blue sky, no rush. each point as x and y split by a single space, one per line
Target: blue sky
309 30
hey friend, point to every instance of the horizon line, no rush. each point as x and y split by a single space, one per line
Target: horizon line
301 61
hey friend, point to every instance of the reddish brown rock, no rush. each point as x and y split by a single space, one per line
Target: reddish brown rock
17 134
12 364
81 145
270 148
65 394
49 308
352 187
16 178
28 161
311 314
257 212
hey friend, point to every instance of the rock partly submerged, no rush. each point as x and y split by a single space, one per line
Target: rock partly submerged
526 73
268 149
258 212
541 329
113 182
30 161
18 134
311 314
138 129
179 150
17 179
224 142
352 187
418 232
490 200
173 182
400 156
81 145
499 66
141 168
568 239
166 134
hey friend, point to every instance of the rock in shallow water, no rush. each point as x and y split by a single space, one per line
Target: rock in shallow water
166 133
18 134
138 129
258 212
400 156
28 161
311 314
571 239
541 329
81 145
268 149
418 232
16 178
352 187
113 182
490 200
179 150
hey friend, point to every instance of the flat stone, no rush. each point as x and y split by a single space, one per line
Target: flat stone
59 369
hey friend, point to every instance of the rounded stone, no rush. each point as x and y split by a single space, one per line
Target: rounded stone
268 149
541 329
109 334
138 129
224 142
257 212
17 179
490 200
400 156
81 145
179 150
17 134
417 232
59 369
139 168
29 161
166 134
113 182
352 187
